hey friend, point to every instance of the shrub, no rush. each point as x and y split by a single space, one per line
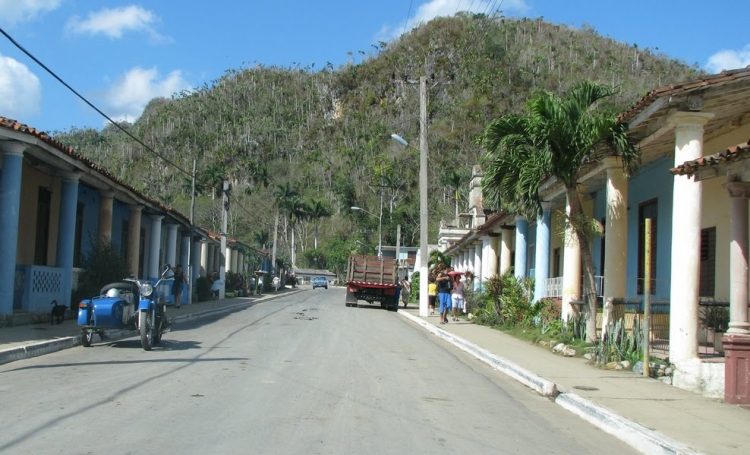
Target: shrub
506 300
101 266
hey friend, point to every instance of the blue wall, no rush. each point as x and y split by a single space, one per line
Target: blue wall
653 181
89 197
600 212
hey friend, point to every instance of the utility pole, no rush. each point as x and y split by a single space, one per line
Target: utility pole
223 262
190 244
423 254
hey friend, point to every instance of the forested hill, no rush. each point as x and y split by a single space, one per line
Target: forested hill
317 139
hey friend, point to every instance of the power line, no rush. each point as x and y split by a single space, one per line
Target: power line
408 15
90 104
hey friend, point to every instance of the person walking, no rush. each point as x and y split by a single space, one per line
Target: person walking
431 293
179 280
405 290
444 294
457 296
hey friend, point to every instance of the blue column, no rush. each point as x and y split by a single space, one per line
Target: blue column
10 203
184 251
66 234
154 245
541 266
172 244
522 231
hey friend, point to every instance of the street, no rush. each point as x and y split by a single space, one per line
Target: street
298 374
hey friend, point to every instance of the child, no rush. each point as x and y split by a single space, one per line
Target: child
432 293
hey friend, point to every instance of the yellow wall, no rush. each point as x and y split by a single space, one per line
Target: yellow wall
717 208
31 180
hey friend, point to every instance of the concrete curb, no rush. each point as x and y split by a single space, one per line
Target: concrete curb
58 344
635 435
537 383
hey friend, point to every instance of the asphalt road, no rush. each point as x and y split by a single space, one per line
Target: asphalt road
300 374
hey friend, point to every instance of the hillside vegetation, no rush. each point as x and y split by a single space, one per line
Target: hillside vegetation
323 134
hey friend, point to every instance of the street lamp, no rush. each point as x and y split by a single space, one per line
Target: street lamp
380 226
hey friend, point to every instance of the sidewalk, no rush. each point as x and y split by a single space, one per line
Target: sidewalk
25 341
647 414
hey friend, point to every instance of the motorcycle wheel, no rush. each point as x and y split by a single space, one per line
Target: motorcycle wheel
144 326
87 336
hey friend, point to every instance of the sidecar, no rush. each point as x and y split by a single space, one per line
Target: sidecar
115 308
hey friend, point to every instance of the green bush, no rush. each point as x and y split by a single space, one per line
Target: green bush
101 266
506 300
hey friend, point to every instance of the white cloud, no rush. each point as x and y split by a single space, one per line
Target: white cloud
20 90
15 11
441 8
130 94
728 59
114 23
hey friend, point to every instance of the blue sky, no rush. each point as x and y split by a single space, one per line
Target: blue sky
121 54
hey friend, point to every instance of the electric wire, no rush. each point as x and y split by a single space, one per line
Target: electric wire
90 104
408 15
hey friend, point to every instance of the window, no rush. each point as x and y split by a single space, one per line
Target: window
708 262
556 260
648 209
602 246
41 245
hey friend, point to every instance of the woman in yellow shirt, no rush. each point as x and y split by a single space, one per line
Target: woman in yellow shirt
432 293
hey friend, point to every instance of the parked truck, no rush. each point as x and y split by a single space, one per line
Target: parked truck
372 279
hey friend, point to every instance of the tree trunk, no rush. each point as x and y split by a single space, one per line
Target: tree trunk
589 287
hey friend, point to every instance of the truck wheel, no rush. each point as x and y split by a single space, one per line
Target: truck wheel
351 300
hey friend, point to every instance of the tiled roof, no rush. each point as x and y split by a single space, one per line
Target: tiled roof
734 153
68 150
685 87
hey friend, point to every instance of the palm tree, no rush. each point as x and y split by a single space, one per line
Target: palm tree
283 195
318 209
555 137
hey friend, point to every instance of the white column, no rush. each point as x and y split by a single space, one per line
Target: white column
616 231
491 256
686 240
571 286
738 280
154 247
506 239
228 259
203 270
234 261
477 265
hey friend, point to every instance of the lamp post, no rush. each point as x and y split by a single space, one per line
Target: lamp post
380 226
423 255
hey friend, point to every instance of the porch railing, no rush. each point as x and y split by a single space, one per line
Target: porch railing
553 287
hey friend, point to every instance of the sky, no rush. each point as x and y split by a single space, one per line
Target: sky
120 54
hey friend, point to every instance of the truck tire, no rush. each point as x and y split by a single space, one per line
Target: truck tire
351 299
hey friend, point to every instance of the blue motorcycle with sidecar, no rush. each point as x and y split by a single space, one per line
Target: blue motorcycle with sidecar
127 304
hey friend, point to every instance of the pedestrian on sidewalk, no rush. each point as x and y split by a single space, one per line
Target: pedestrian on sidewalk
444 293
431 293
179 279
457 296
405 290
